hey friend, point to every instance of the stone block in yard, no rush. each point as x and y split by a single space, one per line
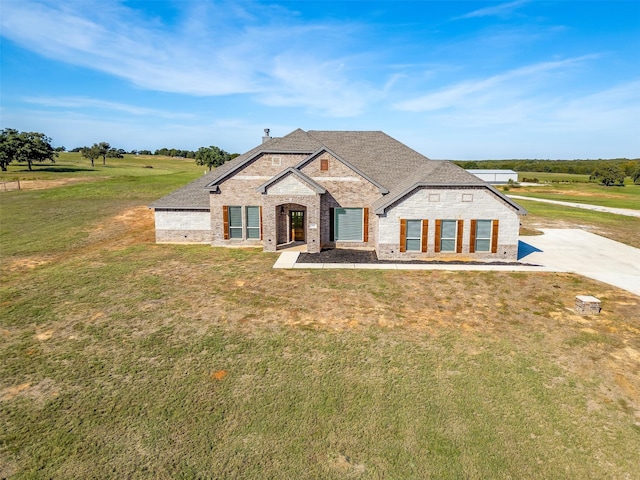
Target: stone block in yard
587 305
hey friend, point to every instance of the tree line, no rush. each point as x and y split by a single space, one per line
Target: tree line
584 167
607 172
35 147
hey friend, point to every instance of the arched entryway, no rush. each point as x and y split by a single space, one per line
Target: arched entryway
291 226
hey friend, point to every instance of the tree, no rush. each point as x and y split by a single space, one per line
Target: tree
609 174
629 167
26 147
90 153
115 152
8 147
103 149
635 175
211 156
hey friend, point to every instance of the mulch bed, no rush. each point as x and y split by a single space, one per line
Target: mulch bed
344 255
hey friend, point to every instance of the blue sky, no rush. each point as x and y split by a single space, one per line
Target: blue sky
454 80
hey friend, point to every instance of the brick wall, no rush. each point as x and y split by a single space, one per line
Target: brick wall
345 188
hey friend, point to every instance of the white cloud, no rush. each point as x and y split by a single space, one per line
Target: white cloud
94 103
494 90
614 109
498 10
316 87
600 124
214 50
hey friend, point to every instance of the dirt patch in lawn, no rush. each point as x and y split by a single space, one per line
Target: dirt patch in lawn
129 227
27 263
46 184
40 393
133 226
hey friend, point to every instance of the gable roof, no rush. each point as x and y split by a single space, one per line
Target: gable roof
297 141
387 163
383 190
297 173
378 156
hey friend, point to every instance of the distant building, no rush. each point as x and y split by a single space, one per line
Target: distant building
495 177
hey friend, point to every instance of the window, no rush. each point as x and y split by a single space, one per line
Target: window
448 236
253 222
348 224
413 235
414 232
483 236
235 222
324 164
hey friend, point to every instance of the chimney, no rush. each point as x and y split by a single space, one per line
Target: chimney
266 137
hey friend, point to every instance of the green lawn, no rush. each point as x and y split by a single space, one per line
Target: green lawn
72 165
126 359
590 193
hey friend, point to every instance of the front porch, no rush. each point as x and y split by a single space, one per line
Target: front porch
291 223
292 247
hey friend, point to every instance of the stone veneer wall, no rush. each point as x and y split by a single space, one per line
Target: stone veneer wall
447 204
182 226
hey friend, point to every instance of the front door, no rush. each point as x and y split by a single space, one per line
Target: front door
297 226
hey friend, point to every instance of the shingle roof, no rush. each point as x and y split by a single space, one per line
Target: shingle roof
376 154
194 195
386 162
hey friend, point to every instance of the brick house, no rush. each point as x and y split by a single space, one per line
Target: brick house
346 189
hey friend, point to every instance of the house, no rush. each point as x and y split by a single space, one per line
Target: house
495 177
343 189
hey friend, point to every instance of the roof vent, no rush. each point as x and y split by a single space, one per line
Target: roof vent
266 137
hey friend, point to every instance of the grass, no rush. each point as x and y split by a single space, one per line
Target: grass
621 228
72 166
122 358
590 193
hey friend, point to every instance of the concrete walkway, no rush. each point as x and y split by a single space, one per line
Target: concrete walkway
289 259
598 208
558 250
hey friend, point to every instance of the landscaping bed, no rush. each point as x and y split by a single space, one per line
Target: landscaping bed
346 255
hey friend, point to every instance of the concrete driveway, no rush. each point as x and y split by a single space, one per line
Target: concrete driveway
577 251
